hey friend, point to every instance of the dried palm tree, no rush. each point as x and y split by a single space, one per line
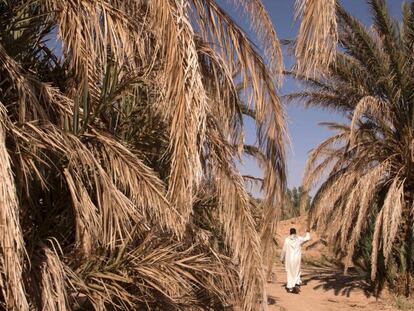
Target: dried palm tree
364 171
117 154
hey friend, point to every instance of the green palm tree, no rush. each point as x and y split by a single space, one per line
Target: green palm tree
364 171
118 149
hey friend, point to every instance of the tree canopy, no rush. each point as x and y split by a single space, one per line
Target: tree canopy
365 169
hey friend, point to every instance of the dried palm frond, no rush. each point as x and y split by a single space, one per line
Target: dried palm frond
238 224
365 171
367 187
376 240
54 283
371 106
265 33
139 181
11 242
109 137
157 271
183 86
88 224
316 44
393 207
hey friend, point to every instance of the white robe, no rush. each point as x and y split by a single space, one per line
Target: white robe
291 255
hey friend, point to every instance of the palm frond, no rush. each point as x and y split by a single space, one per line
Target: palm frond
12 246
316 44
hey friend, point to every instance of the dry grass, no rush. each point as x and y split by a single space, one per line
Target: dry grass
402 303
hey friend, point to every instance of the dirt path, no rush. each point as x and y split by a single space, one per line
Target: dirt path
326 290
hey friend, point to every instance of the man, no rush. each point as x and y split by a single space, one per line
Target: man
291 257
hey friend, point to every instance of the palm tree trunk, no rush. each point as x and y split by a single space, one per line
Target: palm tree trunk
409 259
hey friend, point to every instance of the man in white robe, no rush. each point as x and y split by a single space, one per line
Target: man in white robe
291 256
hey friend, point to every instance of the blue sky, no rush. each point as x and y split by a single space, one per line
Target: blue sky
304 131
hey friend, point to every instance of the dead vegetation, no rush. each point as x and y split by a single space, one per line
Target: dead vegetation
117 153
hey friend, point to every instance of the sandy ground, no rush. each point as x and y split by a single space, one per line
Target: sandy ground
326 289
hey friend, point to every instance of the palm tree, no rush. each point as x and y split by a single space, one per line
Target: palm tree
118 148
364 171
292 205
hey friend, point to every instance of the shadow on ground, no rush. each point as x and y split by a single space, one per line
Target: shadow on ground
341 284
